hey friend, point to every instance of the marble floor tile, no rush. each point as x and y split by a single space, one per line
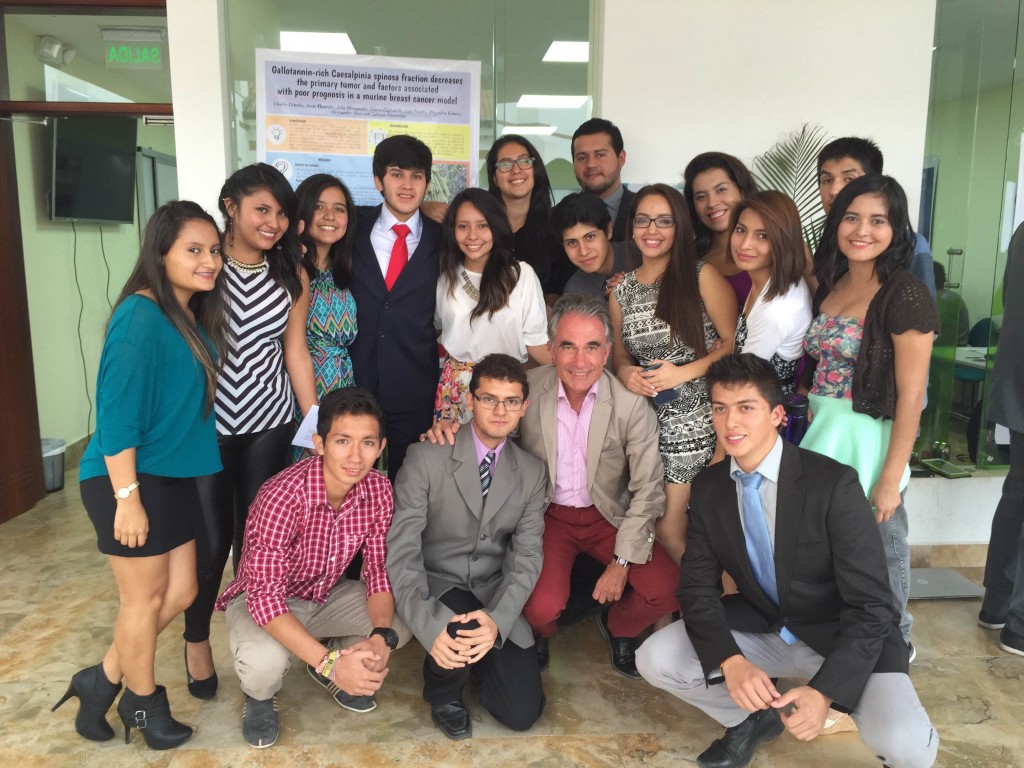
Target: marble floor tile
58 604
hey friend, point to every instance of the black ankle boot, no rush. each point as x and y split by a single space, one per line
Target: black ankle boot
95 695
152 716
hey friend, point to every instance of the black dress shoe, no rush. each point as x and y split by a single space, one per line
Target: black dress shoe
736 748
1011 642
200 689
988 620
453 720
623 650
543 652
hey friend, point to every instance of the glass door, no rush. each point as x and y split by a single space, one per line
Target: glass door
967 212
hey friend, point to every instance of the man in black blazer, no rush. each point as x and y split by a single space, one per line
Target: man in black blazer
1003 606
597 160
794 529
394 280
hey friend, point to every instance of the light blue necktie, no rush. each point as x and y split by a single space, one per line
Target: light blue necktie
759 543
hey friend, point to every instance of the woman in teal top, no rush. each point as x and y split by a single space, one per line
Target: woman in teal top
155 434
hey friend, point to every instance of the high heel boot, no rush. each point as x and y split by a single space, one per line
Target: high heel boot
95 695
152 716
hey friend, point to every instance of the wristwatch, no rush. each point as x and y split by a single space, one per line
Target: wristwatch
621 561
389 635
124 493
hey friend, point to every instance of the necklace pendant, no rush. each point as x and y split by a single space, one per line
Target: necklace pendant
467 285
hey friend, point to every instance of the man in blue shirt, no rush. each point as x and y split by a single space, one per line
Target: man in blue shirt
843 160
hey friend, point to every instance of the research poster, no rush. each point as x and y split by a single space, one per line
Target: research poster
323 113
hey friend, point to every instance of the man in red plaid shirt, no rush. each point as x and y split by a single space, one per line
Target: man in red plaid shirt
304 528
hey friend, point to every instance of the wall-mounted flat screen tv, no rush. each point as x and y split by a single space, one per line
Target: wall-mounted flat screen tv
94 169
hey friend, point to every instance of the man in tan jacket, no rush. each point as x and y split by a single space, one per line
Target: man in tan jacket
600 444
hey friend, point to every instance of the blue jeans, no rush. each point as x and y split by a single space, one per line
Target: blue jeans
897 562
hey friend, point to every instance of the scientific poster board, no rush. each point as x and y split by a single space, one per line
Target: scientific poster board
324 113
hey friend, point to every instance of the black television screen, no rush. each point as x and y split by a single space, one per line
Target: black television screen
94 169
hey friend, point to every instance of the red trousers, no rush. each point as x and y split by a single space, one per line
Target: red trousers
571 530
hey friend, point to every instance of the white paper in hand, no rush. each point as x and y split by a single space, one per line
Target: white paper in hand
304 437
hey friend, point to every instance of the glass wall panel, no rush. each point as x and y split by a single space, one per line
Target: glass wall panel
972 146
509 39
87 58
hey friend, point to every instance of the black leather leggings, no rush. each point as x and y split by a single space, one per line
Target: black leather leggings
249 461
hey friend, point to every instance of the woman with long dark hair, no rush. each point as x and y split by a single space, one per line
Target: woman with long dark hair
328 218
767 244
714 183
154 436
267 369
487 301
872 336
516 175
667 316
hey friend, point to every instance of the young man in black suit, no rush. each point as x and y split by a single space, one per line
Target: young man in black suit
794 529
394 279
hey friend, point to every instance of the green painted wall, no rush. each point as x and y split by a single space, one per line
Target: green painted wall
52 252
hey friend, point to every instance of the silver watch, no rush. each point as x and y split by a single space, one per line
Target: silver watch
124 493
621 561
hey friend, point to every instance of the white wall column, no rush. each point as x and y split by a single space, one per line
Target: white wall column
199 91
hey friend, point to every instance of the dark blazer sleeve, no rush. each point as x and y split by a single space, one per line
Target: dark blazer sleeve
700 576
867 619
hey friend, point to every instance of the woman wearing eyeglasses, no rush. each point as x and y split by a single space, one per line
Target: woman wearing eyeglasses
516 176
487 301
667 316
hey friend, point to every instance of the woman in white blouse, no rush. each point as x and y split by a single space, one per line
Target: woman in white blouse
487 301
767 244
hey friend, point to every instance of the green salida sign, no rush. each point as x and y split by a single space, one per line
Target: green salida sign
132 56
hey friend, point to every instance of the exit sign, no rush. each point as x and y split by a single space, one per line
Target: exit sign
133 55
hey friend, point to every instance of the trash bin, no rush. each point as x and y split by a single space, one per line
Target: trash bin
53 463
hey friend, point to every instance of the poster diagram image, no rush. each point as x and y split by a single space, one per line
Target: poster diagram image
375 137
284 167
446 180
276 134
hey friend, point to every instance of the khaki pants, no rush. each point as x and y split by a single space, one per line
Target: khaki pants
261 662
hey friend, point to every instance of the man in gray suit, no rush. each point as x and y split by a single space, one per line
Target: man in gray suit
465 551
1003 606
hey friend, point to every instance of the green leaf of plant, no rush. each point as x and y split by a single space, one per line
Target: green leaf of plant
791 166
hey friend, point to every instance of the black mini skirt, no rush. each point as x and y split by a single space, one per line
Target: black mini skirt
171 504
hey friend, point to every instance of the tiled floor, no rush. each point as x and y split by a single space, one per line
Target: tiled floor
57 604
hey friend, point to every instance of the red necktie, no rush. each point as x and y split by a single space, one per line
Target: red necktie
399 255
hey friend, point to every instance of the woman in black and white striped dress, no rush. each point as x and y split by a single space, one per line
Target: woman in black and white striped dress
268 296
